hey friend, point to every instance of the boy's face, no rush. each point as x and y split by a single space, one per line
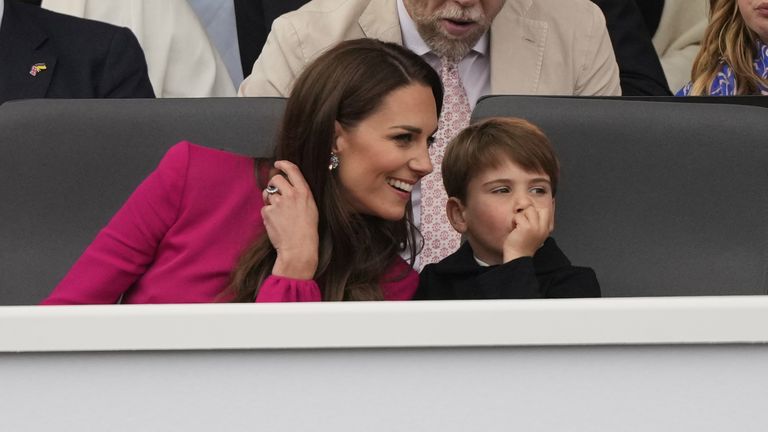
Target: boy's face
496 198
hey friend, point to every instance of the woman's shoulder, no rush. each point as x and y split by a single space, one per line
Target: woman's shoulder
204 175
218 157
207 164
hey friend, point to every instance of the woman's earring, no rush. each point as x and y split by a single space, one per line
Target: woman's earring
333 162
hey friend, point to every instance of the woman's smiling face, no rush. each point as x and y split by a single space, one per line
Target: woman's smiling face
383 156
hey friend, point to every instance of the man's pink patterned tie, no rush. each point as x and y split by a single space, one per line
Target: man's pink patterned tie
440 240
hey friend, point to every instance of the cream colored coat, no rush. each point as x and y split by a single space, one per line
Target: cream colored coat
679 37
554 47
181 60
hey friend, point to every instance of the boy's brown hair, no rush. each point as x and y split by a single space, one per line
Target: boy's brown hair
485 144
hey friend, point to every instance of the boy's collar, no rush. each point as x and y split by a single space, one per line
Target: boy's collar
547 259
480 262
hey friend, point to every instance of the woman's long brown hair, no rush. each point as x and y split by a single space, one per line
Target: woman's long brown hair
346 84
727 39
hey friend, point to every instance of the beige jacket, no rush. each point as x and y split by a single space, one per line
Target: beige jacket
678 38
181 60
537 46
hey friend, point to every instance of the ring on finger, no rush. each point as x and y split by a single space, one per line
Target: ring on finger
271 189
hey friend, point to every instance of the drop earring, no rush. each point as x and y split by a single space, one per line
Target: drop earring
333 162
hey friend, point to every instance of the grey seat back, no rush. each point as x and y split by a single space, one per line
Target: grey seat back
66 166
659 198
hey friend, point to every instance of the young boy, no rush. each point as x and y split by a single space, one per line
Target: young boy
501 178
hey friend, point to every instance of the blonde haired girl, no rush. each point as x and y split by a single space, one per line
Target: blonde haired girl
733 59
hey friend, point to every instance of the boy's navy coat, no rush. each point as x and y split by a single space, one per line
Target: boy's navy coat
82 58
548 274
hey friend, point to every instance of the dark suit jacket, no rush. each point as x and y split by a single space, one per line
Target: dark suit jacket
548 274
651 11
640 70
82 58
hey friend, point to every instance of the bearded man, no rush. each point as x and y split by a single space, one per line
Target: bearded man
479 47
546 47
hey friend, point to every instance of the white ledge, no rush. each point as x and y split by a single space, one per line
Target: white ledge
610 321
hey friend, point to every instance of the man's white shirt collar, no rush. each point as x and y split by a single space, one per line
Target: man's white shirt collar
2 9
413 41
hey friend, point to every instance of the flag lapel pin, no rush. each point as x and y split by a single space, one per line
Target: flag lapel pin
37 68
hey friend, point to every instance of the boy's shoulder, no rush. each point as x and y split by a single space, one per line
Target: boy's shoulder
550 258
460 262
437 280
559 278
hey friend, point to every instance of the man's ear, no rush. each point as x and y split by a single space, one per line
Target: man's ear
339 138
455 211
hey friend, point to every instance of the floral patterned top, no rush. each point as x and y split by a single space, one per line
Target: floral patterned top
724 83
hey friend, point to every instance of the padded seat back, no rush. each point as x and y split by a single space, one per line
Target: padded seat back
66 166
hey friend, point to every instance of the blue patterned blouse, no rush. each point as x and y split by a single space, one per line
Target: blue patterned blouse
724 83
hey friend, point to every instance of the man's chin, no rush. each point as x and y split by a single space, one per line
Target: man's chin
445 44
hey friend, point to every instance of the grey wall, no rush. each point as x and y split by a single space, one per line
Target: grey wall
629 388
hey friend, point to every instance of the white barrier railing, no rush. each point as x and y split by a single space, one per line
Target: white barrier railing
628 364
608 321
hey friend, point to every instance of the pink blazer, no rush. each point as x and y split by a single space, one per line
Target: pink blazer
180 234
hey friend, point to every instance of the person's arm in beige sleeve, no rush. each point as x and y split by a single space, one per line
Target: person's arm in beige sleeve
599 73
280 62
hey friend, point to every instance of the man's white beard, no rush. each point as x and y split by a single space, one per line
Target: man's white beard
443 45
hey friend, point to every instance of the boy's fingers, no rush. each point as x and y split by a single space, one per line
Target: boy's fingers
532 216
521 219
545 217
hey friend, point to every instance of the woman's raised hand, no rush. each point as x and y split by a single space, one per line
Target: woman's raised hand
290 217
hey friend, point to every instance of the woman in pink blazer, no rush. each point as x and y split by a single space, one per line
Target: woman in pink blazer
326 219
